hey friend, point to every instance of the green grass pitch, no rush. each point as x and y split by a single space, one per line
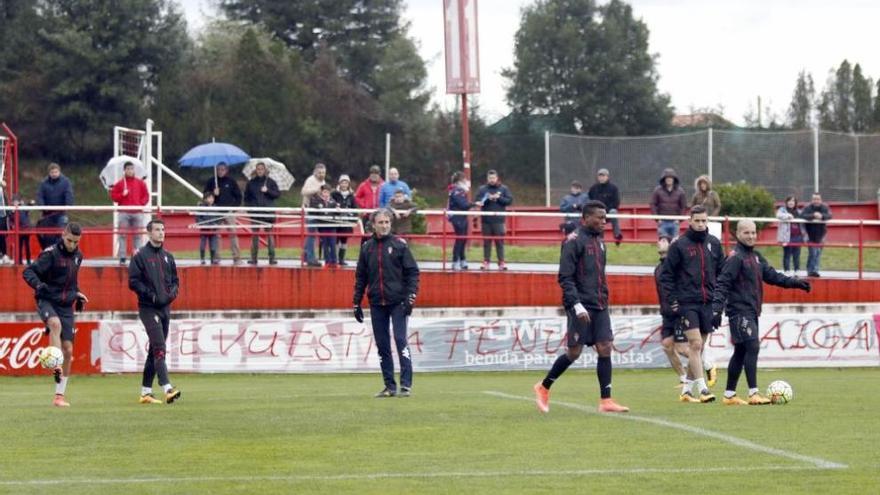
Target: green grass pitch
458 433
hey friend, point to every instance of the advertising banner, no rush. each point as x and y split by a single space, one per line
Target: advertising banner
443 344
21 343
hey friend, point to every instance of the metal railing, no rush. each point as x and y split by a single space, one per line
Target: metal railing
301 223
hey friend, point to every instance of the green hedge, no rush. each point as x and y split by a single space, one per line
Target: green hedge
745 200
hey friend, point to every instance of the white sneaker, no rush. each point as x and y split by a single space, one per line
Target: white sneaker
5 260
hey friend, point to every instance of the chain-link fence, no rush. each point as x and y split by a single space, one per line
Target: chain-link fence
784 163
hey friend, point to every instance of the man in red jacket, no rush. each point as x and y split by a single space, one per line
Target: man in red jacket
129 191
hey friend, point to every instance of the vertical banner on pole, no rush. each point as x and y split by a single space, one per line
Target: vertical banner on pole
462 51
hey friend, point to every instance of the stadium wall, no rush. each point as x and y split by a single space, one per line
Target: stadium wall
223 288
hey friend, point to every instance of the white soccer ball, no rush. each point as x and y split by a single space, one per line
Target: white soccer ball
780 392
51 357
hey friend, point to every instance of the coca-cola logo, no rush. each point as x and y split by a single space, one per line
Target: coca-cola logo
21 352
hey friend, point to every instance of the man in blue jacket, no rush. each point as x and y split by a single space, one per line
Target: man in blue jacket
389 187
55 190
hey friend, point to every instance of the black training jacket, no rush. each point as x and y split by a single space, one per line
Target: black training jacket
662 295
152 275
386 270
582 270
691 268
741 284
58 269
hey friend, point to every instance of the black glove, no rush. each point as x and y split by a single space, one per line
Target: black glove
174 292
802 285
358 313
79 305
42 289
716 320
409 303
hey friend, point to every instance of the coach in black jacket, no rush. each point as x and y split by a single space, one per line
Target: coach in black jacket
741 292
689 273
585 299
388 273
152 275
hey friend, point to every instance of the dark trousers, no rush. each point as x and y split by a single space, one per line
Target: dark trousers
791 256
495 230
155 322
385 319
24 247
213 241
460 227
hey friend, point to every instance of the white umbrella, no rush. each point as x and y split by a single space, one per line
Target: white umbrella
113 171
276 170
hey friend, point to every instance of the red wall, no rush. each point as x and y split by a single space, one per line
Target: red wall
243 288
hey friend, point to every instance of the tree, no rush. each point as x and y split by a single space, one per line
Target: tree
861 100
800 111
590 66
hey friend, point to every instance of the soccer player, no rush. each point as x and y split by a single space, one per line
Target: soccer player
741 293
585 298
688 276
387 272
54 280
671 334
152 275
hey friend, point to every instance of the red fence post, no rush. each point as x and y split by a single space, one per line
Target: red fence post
443 242
725 233
861 248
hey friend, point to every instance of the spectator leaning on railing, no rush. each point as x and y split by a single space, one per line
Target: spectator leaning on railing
129 191
606 192
790 235
572 203
493 196
705 196
816 213
404 209
310 189
458 201
390 186
668 199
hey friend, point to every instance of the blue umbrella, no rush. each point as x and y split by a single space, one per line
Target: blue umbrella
213 154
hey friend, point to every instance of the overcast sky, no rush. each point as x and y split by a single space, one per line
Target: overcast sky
711 52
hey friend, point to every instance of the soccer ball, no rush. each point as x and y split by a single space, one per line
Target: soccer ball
780 392
51 357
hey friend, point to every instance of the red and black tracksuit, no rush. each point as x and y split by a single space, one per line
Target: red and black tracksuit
152 275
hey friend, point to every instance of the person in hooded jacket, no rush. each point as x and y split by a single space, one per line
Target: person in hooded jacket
459 202
152 275
388 274
668 198
262 191
705 196
790 235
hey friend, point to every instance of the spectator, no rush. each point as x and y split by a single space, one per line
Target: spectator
390 186
129 191
344 198
816 213
705 196
54 190
668 199
311 189
24 223
206 223
573 203
324 201
493 196
458 201
606 192
367 197
4 222
403 209
789 234
227 194
262 191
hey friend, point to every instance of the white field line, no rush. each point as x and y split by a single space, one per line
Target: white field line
739 442
407 475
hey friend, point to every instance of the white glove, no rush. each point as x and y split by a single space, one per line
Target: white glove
579 310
